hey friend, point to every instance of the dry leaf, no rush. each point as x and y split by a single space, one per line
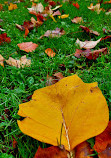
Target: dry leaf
27 46
54 33
87 44
12 6
83 150
106 2
1 60
76 108
56 13
4 38
95 8
52 3
1 7
51 152
106 153
50 52
57 7
63 16
19 63
77 20
90 54
76 5
89 31
103 139
37 8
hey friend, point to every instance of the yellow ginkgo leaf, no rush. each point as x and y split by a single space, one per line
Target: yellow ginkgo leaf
63 16
76 108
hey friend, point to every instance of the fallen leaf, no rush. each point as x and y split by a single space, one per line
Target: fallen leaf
50 52
37 8
76 5
54 78
12 6
77 20
4 38
67 112
27 46
57 7
1 60
51 152
95 8
90 54
52 3
83 150
103 139
14 143
87 44
106 2
63 16
1 7
19 63
56 13
105 153
109 12
54 33
89 31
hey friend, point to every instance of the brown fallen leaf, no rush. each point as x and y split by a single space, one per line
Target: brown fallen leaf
103 139
95 8
91 55
67 113
54 78
105 153
77 20
87 44
52 3
50 52
54 33
27 46
19 63
83 150
12 6
51 152
2 60
89 31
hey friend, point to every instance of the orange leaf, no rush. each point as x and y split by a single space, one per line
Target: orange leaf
26 31
1 7
51 152
76 5
103 139
27 46
1 60
105 153
50 52
83 150
12 6
67 113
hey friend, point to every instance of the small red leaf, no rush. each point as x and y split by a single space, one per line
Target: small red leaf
4 38
76 5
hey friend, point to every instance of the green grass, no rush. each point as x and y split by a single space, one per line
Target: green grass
16 85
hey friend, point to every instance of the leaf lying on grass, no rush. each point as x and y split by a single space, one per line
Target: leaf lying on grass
36 7
60 107
90 54
19 63
12 6
77 20
87 44
50 52
95 8
27 46
4 38
76 5
1 60
89 31
54 33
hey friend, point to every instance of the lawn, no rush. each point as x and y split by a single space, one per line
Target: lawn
18 84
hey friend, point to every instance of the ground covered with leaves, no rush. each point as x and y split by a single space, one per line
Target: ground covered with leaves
57 46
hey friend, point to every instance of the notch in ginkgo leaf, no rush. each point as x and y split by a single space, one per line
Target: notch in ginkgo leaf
80 107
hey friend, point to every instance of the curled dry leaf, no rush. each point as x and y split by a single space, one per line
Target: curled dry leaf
4 38
27 46
12 6
37 8
89 31
19 63
51 152
77 20
83 150
1 60
103 139
54 33
56 13
90 54
50 52
87 44
76 108
95 8
76 5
